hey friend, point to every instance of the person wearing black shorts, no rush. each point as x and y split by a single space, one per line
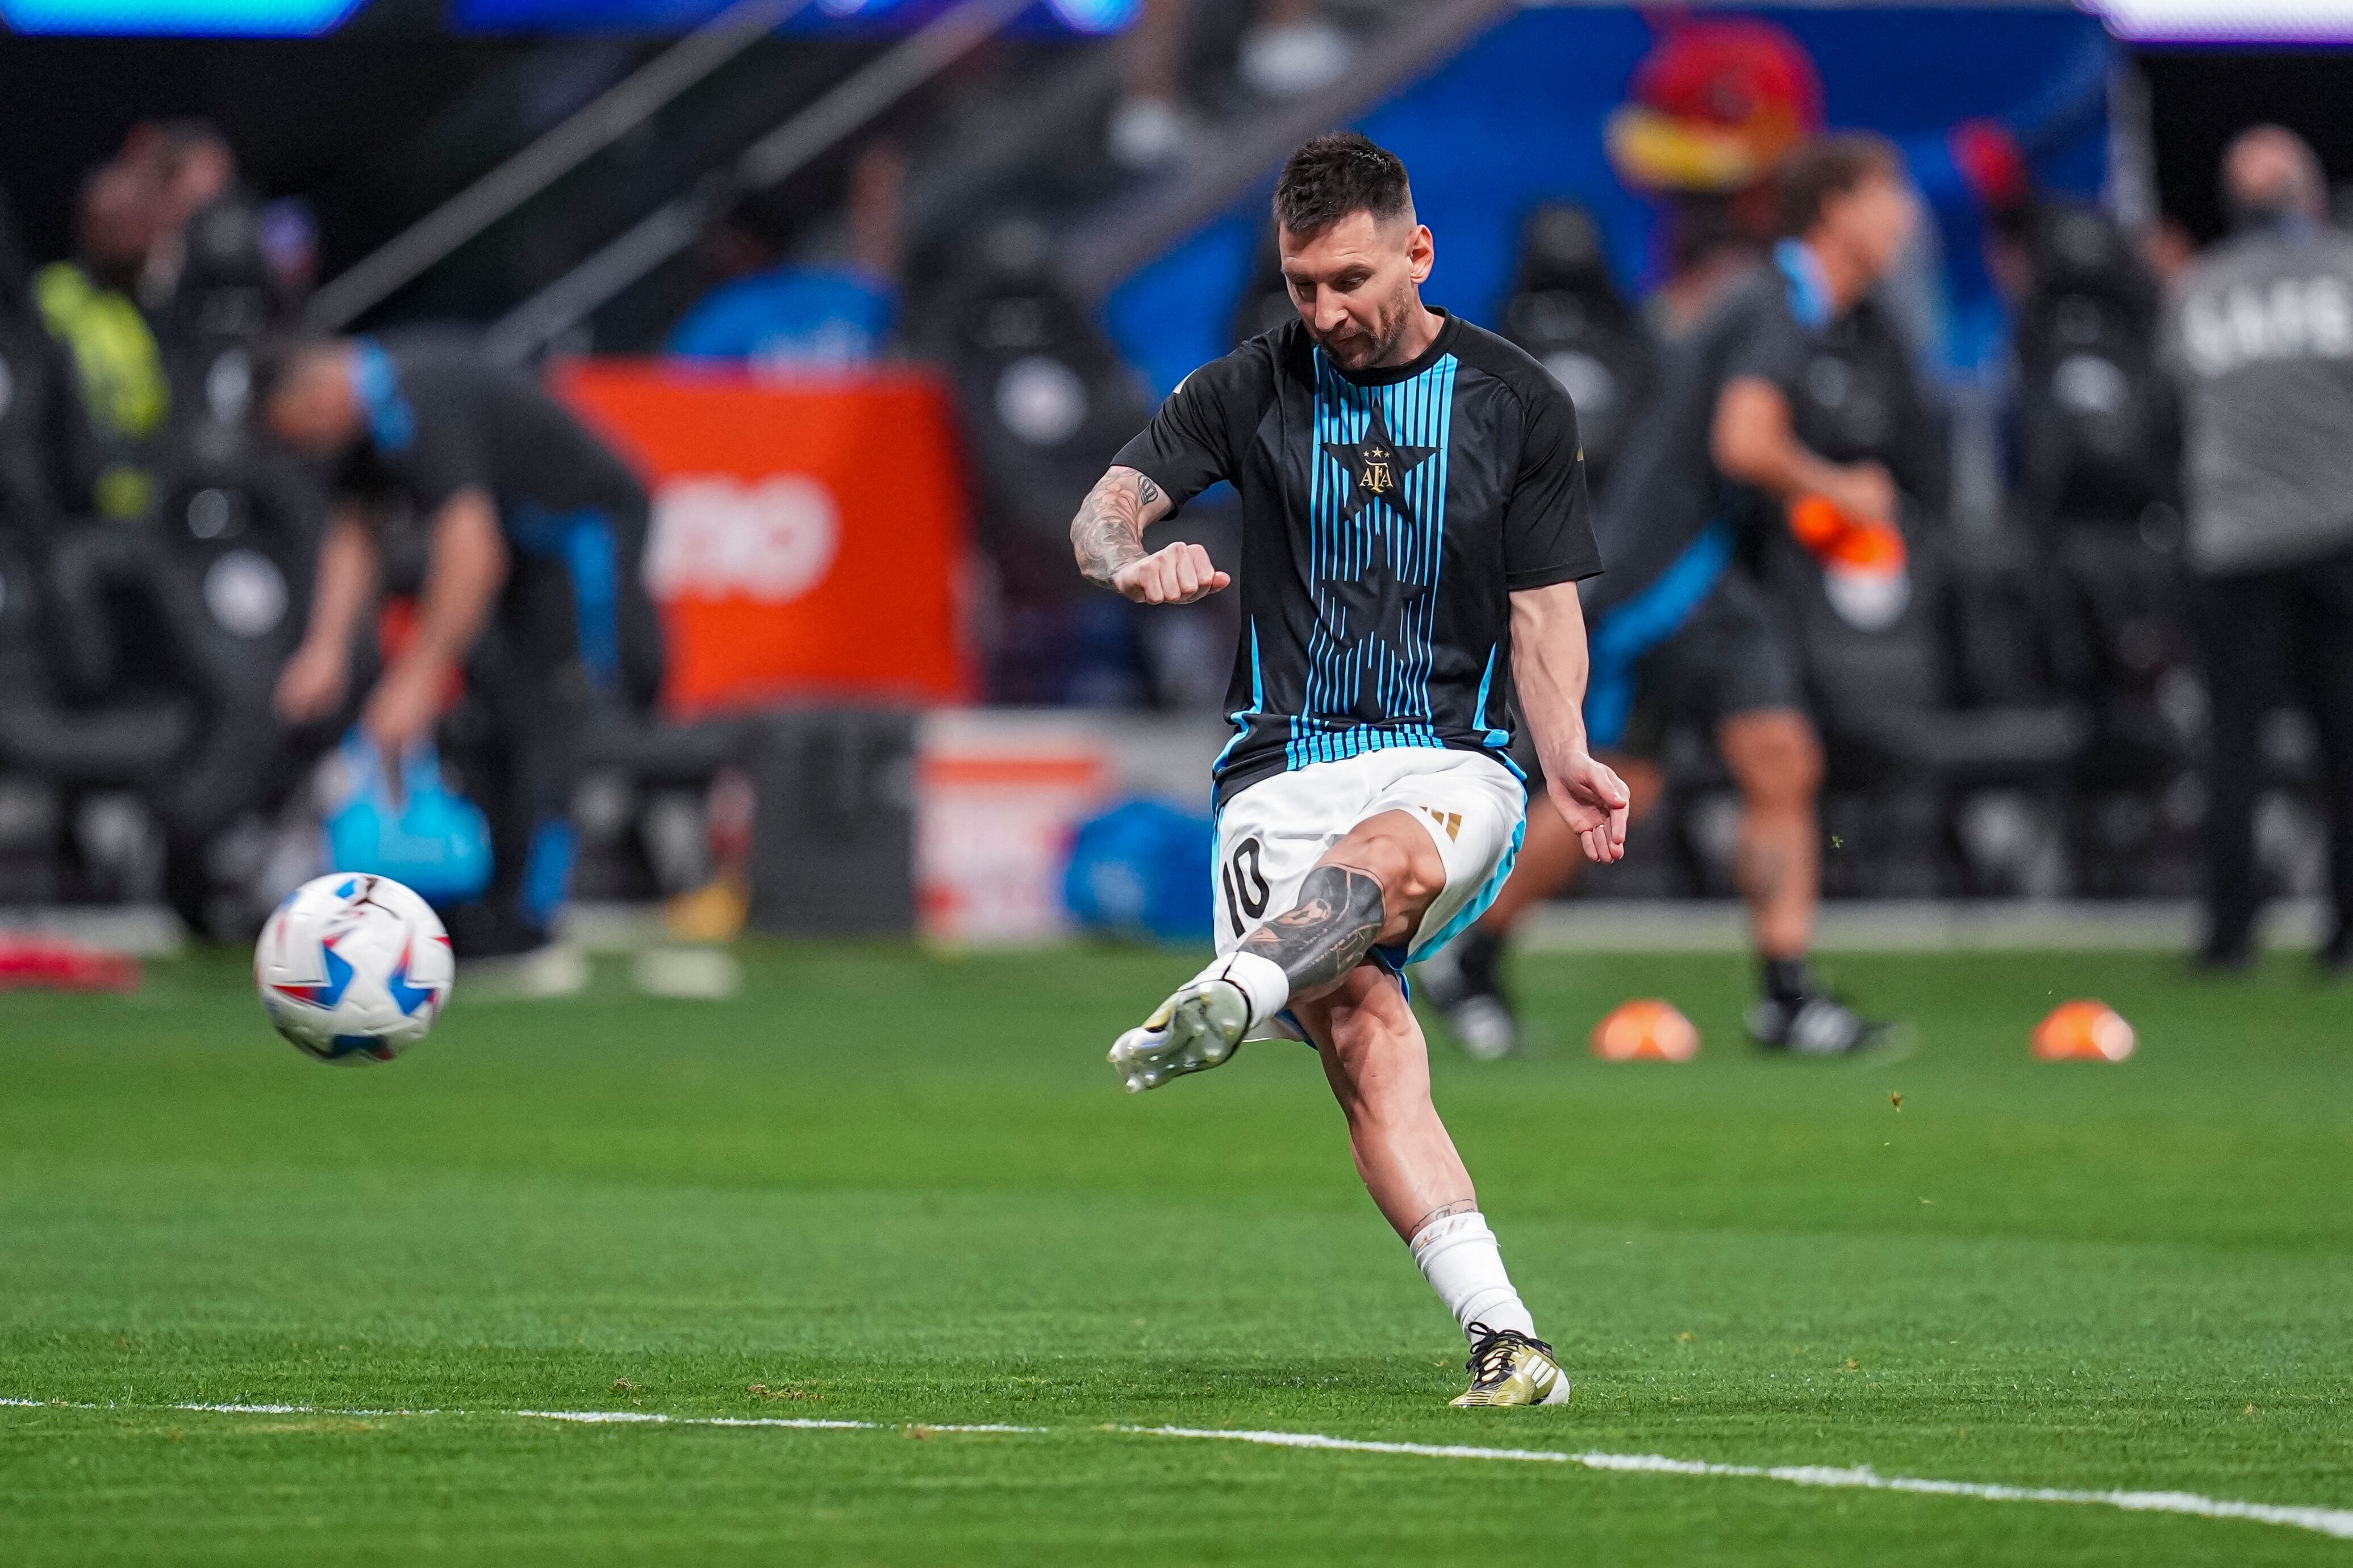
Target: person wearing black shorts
1683 634
533 591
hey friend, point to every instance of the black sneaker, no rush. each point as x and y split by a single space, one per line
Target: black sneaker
1813 1025
1465 982
482 929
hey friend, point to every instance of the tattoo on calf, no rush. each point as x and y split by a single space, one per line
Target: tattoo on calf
1327 932
1443 1211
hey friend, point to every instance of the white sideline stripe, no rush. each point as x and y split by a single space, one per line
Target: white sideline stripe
2335 1522
2332 1521
218 1409
593 1417
800 1423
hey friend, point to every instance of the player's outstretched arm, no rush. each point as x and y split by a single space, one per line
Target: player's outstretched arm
1549 664
462 579
1107 536
1753 441
313 680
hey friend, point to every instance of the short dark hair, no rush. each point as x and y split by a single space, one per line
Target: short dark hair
1821 167
1337 174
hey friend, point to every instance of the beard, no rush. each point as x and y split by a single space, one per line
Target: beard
1360 348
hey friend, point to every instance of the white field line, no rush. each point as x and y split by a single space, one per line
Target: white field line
803 1423
2331 1522
2335 1522
589 1418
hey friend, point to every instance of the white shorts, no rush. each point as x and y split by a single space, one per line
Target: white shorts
1272 834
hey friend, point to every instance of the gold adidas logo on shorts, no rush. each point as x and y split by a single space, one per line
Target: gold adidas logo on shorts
1450 820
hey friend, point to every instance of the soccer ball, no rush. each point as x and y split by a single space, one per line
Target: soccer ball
354 967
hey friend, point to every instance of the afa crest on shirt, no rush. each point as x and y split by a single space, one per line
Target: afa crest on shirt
1377 468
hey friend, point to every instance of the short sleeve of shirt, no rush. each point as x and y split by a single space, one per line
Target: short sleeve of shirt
1189 444
1773 347
1548 522
445 457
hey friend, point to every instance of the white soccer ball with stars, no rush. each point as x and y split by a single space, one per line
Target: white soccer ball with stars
354 967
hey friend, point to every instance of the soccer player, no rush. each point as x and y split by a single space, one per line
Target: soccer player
1681 631
1414 526
532 592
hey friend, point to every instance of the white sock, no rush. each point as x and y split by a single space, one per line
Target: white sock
1257 977
1459 1257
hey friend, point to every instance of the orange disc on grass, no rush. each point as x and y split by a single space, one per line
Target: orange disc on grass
2083 1030
1645 1030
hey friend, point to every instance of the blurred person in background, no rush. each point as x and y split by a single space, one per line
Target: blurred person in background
782 312
2260 336
1713 110
533 596
189 165
47 463
1682 631
90 304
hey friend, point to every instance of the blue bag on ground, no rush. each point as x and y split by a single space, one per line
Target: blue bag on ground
431 838
1143 869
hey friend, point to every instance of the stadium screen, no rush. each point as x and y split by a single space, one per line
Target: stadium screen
2229 21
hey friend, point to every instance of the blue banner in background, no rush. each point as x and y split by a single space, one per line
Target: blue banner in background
1516 119
179 19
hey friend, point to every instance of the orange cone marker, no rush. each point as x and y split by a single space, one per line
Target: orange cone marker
1645 1030
2083 1030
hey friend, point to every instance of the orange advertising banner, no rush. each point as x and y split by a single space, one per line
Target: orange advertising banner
809 537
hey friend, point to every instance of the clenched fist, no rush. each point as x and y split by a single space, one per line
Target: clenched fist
1177 574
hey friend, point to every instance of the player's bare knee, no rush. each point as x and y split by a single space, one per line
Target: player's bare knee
1646 783
1394 854
1775 759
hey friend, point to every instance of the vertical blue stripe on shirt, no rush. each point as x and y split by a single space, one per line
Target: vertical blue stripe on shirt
1418 412
1245 720
1494 735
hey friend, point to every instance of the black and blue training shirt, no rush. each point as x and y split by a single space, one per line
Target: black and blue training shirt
1387 517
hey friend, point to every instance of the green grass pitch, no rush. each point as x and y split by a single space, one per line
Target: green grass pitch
902 1190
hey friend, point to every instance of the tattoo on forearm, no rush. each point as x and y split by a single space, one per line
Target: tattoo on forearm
1108 532
1443 1211
1327 934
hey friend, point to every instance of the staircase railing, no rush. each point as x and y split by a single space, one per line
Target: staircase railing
627 105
